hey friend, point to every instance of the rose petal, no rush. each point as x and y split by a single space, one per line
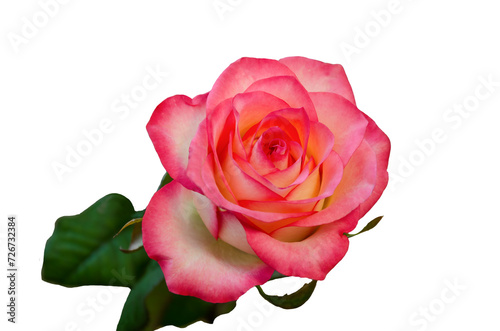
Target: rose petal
291 176
293 122
193 262
282 207
238 146
233 233
198 151
344 120
287 176
254 106
287 89
357 184
312 257
263 159
271 227
381 145
317 76
172 126
242 185
240 75
321 142
221 126
292 233
211 190
220 123
309 188
259 160
208 213
331 173
319 185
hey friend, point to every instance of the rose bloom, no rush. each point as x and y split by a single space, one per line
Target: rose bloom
271 168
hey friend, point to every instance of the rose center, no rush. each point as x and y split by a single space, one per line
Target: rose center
276 146
277 152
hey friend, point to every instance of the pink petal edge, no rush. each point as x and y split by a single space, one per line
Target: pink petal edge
172 126
193 262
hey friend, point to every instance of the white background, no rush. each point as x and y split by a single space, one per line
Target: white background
441 220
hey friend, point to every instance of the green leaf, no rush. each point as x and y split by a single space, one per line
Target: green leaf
291 301
134 314
150 305
82 250
138 214
171 309
373 223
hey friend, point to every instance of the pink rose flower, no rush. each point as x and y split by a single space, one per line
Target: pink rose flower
270 168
